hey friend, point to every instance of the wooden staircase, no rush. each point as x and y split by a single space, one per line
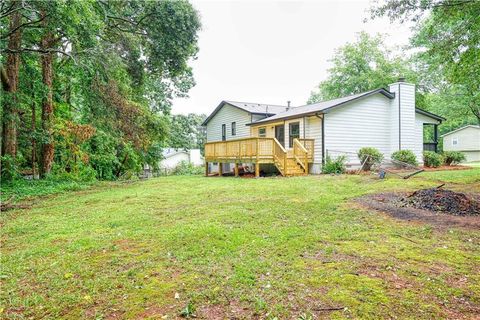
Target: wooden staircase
292 162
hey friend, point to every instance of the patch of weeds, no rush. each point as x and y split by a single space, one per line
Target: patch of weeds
188 311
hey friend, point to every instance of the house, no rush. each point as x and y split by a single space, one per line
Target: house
465 140
296 140
172 158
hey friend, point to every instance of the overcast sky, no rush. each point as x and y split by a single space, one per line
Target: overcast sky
273 51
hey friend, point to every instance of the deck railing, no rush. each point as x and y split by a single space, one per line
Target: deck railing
261 150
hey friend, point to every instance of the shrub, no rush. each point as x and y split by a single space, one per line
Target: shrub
10 170
432 159
337 165
185 168
406 156
453 157
370 156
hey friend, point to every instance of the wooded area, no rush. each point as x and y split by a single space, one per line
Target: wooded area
88 85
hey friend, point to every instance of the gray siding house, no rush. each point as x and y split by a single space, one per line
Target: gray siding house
465 140
297 139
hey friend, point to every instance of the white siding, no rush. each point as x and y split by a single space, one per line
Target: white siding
405 95
226 115
362 123
468 139
173 161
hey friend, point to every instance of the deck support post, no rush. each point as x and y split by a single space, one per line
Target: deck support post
236 169
257 169
220 169
206 169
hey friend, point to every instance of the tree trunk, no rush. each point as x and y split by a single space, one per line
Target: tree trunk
47 103
34 140
10 85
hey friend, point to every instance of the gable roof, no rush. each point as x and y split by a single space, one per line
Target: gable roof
324 106
459 129
429 114
253 108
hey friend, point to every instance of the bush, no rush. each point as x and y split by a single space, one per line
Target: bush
337 165
406 156
453 157
185 168
370 156
10 169
432 159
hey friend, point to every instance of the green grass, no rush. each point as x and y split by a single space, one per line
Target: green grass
229 247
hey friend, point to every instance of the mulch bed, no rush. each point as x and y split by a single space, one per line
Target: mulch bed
442 168
436 206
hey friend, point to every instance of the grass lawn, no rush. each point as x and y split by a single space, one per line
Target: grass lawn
285 248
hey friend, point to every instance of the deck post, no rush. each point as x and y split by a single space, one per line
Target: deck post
220 169
236 169
257 169
206 169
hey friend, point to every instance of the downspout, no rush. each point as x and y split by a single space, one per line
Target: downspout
323 136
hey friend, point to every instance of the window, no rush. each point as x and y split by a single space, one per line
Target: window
294 132
454 141
224 132
234 128
262 132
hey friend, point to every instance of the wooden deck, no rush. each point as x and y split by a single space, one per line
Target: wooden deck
262 150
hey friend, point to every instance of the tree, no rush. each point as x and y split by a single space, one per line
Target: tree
10 82
187 132
106 68
361 66
448 38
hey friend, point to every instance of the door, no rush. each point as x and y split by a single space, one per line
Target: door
280 134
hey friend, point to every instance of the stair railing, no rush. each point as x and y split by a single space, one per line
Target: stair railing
300 153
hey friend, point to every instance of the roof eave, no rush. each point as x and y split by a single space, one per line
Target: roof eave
429 114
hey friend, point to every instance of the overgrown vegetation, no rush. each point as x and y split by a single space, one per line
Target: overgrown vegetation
163 246
88 85
185 168
405 156
369 157
432 159
453 157
335 165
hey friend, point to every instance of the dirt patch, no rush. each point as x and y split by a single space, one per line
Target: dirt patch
392 204
440 200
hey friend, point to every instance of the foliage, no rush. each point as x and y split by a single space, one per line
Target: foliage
453 157
361 66
406 156
432 159
447 36
117 65
185 168
188 311
166 235
369 157
335 166
9 168
187 132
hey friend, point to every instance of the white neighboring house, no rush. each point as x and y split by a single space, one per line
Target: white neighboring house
386 119
465 140
172 157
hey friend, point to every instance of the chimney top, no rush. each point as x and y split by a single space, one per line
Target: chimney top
288 105
401 79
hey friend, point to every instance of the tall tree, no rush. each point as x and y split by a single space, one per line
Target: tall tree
10 81
448 39
361 66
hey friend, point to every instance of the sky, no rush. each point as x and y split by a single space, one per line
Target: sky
273 51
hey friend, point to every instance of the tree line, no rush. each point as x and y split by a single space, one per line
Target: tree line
87 85
445 65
